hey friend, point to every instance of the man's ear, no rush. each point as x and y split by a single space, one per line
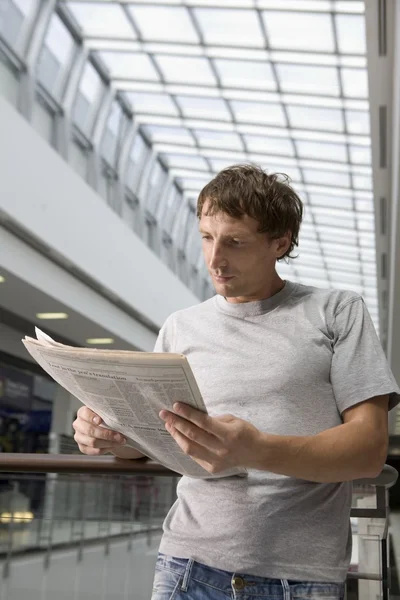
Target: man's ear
283 244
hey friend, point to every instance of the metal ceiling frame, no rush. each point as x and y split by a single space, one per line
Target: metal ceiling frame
211 53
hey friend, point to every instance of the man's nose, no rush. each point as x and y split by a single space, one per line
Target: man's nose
217 258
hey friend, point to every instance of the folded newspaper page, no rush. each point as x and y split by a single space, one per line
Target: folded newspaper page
128 390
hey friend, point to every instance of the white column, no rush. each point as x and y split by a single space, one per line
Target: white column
394 287
64 408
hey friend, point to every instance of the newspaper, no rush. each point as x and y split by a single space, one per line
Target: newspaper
128 390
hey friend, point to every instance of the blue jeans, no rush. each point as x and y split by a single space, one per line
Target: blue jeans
186 579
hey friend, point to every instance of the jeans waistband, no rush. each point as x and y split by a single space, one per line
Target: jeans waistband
239 582
224 581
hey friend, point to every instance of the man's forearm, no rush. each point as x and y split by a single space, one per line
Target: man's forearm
343 453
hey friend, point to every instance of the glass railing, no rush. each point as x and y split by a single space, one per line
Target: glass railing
103 524
38 510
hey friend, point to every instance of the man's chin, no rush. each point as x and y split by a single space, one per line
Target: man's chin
227 289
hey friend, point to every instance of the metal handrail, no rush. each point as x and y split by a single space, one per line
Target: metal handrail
78 463
387 478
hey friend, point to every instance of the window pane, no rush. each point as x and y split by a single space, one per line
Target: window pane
219 139
151 21
310 271
91 84
362 183
355 83
331 201
326 177
88 97
193 107
193 184
179 69
12 16
314 258
152 103
299 31
353 266
170 210
280 166
110 139
138 149
358 121
55 55
138 155
177 135
255 112
364 205
246 73
130 65
312 5
321 150
269 145
348 221
231 27
153 194
335 249
102 20
315 118
360 155
351 34
181 161
308 79
366 222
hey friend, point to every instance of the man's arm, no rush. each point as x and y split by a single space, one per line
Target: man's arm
353 450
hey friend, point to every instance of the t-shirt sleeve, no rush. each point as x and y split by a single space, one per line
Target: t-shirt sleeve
359 368
166 338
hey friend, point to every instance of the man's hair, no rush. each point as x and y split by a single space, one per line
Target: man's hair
248 190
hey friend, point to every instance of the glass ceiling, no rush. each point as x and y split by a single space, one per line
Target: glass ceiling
281 84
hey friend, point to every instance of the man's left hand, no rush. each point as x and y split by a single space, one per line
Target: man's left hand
215 443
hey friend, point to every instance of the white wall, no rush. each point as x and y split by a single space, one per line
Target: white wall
40 192
40 272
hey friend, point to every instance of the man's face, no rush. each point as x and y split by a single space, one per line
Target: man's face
240 260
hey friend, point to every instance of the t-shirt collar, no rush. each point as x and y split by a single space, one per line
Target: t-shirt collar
256 307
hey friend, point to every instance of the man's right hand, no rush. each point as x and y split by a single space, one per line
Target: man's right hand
93 439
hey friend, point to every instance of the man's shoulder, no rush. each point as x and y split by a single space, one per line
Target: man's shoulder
331 300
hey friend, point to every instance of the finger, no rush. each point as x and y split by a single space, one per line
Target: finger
87 414
92 442
201 455
99 433
92 451
197 417
193 433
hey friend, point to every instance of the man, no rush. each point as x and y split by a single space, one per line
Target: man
304 379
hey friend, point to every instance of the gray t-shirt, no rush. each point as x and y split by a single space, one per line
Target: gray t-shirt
290 365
